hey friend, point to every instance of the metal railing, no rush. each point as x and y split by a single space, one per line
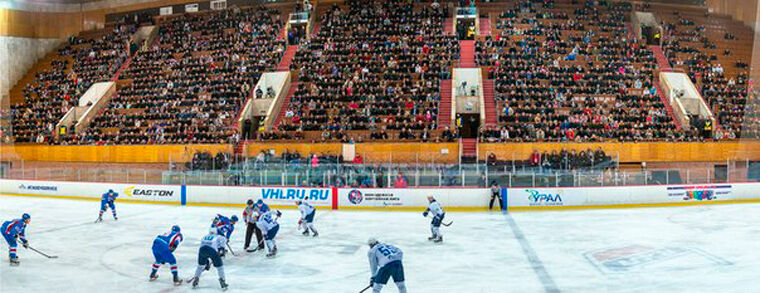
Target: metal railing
397 175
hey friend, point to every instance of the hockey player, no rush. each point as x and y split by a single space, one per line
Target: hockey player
107 201
15 229
163 251
263 208
435 226
384 263
250 216
224 225
212 247
307 217
269 227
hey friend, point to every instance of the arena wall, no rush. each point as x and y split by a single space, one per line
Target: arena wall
396 199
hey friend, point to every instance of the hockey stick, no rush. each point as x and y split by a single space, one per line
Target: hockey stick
42 253
365 289
442 223
230 248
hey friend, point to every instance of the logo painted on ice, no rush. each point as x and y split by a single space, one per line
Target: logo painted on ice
355 196
537 198
132 191
295 193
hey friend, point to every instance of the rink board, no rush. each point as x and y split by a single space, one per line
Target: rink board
91 190
631 196
462 199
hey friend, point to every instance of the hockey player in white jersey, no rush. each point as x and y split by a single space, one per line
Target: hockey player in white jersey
307 217
212 247
436 210
269 227
384 263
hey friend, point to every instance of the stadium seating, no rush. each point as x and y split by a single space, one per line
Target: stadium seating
82 61
571 73
715 52
374 67
189 87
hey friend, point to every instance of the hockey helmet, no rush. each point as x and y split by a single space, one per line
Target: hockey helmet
234 218
175 228
372 242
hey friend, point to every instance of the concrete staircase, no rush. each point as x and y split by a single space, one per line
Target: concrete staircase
662 61
489 103
668 106
285 104
467 54
448 26
485 26
444 106
287 58
469 149
664 65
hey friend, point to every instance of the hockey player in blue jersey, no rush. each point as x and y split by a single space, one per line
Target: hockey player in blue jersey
212 248
15 229
163 250
261 206
435 226
307 217
224 225
385 263
269 227
107 201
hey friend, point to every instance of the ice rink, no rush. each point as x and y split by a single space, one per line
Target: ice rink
711 248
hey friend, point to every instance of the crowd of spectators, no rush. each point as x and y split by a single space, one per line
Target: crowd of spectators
375 66
572 75
693 45
82 61
563 159
373 72
190 86
205 161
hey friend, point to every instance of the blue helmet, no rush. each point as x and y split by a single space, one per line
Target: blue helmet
175 228
26 216
110 191
260 202
234 218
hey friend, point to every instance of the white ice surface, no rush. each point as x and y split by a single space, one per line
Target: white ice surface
696 249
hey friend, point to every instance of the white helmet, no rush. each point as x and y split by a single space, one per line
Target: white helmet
372 242
212 231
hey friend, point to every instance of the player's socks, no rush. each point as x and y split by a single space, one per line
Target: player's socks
401 287
376 288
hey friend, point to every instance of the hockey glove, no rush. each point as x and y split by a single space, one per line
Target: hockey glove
25 243
222 252
424 214
371 281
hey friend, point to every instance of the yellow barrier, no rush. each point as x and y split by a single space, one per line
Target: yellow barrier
111 154
634 152
402 152
390 152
